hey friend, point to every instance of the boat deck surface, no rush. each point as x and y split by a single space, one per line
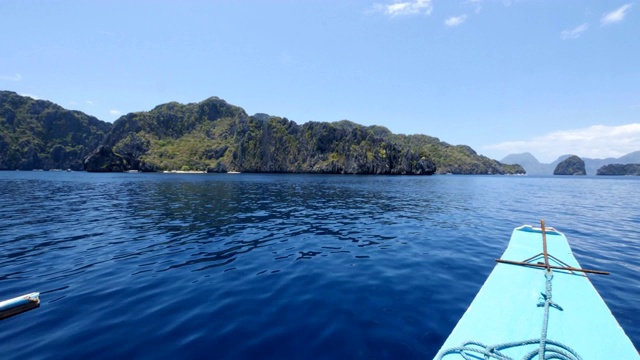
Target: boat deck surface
506 309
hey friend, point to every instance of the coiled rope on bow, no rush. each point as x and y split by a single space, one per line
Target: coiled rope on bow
547 349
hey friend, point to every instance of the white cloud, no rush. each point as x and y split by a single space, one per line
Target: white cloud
114 112
598 142
89 102
616 15
15 77
575 32
399 8
31 96
455 20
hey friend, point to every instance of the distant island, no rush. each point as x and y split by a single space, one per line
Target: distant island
533 167
214 136
573 165
620 169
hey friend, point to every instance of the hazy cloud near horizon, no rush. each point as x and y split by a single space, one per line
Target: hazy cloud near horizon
597 142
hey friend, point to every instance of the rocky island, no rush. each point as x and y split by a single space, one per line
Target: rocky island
620 169
573 165
215 136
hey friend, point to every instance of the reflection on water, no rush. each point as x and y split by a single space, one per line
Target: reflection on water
286 266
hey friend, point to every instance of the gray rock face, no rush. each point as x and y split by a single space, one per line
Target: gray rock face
103 159
572 165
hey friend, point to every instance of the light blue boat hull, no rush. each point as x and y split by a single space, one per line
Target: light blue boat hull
506 309
20 304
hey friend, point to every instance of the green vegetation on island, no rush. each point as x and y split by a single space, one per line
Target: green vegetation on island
215 136
38 134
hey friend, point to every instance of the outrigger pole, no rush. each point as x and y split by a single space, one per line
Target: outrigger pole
546 256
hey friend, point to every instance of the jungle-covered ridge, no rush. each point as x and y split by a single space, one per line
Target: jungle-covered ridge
38 134
215 136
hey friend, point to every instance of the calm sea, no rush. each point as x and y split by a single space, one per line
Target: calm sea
247 266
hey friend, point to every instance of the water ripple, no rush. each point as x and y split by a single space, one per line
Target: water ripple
283 266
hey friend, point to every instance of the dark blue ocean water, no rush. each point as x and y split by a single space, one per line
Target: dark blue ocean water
283 266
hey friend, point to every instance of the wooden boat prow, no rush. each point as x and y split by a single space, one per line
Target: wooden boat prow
507 309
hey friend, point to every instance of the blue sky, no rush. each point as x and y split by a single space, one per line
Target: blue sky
547 77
